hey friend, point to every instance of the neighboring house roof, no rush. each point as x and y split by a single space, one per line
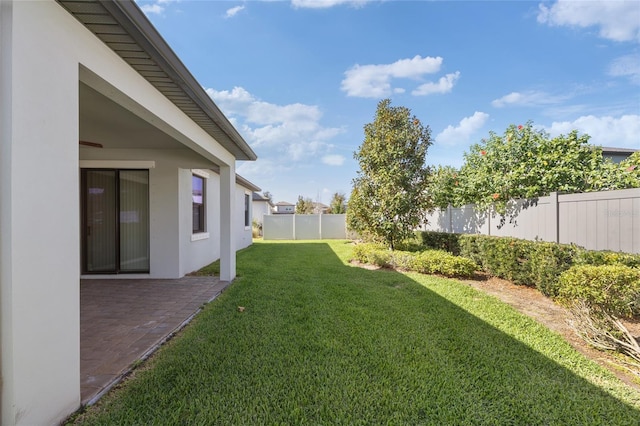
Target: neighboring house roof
123 27
320 205
259 197
244 182
614 151
284 203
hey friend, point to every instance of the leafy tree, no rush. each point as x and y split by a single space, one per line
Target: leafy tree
389 195
304 205
337 205
526 163
444 186
268 196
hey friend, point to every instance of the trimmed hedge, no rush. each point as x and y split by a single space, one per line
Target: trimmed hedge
440 241
613 288
426 262
531 263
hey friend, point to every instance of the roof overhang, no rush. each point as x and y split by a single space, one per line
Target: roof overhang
123 27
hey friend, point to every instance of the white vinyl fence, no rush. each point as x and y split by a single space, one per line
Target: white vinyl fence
608 220
304 226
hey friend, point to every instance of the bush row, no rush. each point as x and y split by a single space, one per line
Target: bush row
615 289
531 263
426 262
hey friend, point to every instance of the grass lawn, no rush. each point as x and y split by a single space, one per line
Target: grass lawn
322 342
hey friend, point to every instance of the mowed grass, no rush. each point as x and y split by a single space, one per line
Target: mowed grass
323 342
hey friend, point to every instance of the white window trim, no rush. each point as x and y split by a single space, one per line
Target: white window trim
117 164
202 173
199 236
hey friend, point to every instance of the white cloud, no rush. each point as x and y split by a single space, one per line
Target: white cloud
608 131
333 160
233 11
154 6
444 85
374 81
626 66
292 132
323 4
617 20
528 99
463 131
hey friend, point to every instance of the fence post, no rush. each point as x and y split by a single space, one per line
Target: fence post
450 213
555 217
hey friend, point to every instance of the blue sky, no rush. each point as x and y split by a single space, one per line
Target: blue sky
299 79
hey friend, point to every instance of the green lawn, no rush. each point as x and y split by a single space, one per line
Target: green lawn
322 342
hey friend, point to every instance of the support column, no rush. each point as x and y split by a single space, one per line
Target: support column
227 223
39 218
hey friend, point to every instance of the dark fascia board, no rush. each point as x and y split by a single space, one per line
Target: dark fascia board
610 150
134 22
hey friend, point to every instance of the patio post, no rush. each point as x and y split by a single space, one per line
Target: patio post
227 223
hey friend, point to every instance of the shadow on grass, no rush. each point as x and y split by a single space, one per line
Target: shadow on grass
322 342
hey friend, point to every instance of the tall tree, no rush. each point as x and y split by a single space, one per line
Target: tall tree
337 205
304 205
389 196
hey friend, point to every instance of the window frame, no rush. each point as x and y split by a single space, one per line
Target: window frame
247 210
201 226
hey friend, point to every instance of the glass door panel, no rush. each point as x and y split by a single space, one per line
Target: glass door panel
100 201
134 220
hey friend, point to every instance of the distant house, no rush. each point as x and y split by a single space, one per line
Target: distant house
261 206
282 207
319 208
617 155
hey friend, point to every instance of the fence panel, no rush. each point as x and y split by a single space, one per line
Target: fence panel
307 227
607 220
333 226
304 227
278 227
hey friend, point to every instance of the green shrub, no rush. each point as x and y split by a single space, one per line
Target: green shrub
372 253
613 288
470 247
402 259
507 258
427 262
604 257
547 262
441 241
444 263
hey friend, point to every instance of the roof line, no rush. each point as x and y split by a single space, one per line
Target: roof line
133 21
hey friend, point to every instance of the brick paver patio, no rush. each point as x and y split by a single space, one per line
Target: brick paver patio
122 321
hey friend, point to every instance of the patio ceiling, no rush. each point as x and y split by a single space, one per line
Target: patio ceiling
122 26
105 122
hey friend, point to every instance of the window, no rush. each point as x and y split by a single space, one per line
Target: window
198 199
247 216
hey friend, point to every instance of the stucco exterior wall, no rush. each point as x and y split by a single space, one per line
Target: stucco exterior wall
244 236
260 209
44 53
39 216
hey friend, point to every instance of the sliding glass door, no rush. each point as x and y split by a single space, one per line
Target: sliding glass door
115 221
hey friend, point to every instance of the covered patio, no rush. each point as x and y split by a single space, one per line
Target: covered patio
125 320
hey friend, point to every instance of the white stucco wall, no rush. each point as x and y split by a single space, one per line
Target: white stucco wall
45 52
39 216
260 209
244 236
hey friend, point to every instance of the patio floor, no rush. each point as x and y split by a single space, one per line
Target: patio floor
122 321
